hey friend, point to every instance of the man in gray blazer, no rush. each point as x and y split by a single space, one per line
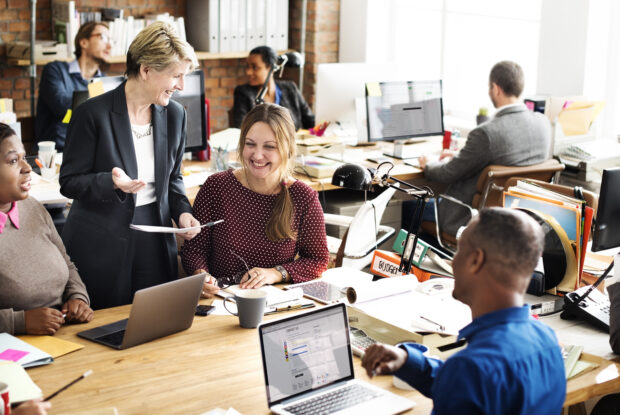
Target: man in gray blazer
515 136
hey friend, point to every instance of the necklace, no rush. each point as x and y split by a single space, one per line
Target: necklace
140 135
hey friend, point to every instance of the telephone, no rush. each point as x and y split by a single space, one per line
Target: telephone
436 286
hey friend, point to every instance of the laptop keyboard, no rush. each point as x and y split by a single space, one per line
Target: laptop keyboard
115 338
334 401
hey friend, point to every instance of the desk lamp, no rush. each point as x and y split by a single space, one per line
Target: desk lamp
289 60
356 177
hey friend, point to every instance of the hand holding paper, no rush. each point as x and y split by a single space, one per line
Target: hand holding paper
168 229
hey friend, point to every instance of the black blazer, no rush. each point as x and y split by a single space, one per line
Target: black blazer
291 99
97 228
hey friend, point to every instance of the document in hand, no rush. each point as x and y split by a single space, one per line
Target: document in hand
18 351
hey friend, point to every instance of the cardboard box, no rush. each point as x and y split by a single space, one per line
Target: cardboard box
44 49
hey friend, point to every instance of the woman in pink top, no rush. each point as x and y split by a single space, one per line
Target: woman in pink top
273 229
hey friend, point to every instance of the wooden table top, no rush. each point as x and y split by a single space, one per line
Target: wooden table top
213 364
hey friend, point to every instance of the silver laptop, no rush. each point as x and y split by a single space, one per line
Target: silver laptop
156 312
308 368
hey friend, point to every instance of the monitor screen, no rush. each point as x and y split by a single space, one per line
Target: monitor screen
405 109
192 97
606 233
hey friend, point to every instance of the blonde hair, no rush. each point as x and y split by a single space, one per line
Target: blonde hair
279 120
158 46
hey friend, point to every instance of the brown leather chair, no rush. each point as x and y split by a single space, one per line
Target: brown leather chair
489 190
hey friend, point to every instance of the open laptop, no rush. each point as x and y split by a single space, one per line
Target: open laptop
308 368
156 312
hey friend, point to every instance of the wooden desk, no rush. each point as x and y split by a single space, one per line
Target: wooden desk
213 364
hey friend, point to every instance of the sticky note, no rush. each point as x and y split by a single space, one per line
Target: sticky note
95 88
373 89
12 355
67 117
2 106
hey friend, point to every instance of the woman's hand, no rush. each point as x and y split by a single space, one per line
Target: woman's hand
43 321
209 287
186 220
34 407
78 311
257 277
125 183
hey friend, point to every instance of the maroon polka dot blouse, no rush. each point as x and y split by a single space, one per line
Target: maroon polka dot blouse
245 215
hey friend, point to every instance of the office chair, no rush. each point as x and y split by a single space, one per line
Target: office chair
489 188
363 234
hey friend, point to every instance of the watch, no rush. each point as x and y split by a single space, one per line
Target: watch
282 271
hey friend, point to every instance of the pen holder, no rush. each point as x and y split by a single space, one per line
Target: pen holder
220 158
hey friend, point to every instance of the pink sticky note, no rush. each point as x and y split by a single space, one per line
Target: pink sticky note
12 355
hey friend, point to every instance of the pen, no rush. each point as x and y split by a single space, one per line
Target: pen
38 163
441 327
290 307
85 374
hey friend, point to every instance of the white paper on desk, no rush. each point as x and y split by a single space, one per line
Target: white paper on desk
275 296
168 229
404 310
21 387
385 287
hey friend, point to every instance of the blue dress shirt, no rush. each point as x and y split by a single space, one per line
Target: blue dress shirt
58 81
512 365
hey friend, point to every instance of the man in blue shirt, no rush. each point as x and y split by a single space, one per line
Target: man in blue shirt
59 80
512 363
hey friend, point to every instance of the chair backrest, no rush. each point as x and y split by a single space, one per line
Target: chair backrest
490 182
363 229
591 198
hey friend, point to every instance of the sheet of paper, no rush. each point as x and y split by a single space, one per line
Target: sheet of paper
21 387
168 229
53 345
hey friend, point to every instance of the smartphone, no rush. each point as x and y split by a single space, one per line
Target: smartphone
204 310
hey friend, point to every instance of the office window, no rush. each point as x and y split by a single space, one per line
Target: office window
460 40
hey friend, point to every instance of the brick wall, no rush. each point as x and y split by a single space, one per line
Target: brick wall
221 75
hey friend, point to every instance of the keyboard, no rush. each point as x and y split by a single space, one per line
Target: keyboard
334 401
115 338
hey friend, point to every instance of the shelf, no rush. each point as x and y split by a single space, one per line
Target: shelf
202 56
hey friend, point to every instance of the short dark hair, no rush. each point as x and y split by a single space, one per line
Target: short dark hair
6 131
510 237
267 54
84 33
508 76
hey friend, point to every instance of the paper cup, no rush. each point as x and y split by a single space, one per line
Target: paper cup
5 405
46 146
48 174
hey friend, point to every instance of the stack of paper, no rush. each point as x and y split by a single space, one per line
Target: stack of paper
52 345
18 351
21 387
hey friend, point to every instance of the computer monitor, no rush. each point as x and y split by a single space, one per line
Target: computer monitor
606 233
192 97
399 110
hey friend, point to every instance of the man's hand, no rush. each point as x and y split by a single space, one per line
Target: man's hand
447 154
186 220
125 183
34 407
422 160
78 311
43 321
381 359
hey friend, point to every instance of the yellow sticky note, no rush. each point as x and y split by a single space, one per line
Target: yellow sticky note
373 89
67 117
95 88
54 346
2 106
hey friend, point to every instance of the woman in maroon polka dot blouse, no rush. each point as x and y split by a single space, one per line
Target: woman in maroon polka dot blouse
271 221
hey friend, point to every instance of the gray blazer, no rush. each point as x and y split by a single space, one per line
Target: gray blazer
514 137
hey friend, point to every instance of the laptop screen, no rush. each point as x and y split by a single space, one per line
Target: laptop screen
306 352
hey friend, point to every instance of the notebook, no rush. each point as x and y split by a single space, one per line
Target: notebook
156 312
308 367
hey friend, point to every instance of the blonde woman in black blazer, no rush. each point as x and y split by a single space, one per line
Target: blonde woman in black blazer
122 165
